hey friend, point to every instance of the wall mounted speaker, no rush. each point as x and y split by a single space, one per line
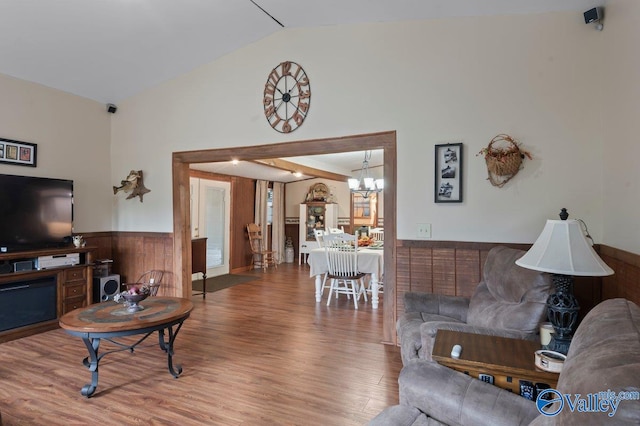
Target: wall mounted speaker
104 288
593 15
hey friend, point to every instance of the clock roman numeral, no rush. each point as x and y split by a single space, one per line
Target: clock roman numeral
286 68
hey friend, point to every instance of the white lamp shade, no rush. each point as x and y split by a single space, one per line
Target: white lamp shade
369 183
563 249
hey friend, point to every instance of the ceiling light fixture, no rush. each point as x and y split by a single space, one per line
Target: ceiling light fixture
365 184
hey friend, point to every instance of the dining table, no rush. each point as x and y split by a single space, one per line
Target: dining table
370 261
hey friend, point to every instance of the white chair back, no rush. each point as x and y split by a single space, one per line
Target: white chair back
319 234
342 255
336 230
377 234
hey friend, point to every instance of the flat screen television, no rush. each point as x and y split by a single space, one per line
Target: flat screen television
35 212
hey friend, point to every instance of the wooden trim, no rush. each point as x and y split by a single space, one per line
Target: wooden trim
381 140
469 245
621 255
209 175
181 217
181 228
305 170
142 234
101 234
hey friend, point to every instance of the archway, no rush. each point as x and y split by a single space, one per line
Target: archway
181 194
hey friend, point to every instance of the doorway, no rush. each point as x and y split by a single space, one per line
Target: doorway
181 200
210 218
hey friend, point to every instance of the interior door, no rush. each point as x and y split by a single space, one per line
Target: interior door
210 217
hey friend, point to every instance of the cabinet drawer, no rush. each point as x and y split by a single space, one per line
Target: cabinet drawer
73 290
75 274
73 303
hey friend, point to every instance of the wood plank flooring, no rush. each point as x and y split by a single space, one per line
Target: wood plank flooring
260 353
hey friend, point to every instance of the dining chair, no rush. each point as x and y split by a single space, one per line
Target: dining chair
262 258
336 230
151 279
319 234
377 234
342 260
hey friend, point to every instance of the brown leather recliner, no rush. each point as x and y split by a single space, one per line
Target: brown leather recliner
510 301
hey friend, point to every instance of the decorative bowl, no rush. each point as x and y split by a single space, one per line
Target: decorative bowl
132 301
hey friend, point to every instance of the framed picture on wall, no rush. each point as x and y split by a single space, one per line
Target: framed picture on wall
448 173
17 153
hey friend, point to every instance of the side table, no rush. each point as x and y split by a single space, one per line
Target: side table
508 360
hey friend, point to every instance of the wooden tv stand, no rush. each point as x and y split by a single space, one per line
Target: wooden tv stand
74 285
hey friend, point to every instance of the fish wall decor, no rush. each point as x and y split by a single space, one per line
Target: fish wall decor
132 184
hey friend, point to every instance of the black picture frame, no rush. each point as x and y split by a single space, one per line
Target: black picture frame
448 173
18 153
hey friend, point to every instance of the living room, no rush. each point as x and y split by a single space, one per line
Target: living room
567 92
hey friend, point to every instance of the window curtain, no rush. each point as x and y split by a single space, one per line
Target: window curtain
277 224
260 215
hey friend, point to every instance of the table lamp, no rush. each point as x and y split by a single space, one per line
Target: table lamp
563 250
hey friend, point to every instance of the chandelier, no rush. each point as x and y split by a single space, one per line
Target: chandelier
365 184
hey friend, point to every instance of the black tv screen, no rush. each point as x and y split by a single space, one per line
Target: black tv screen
35 212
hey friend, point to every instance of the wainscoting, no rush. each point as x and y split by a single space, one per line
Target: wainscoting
444 267
455 268
626 280
134 253
441 267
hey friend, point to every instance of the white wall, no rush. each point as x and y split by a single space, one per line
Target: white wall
453 80
72 134
620 102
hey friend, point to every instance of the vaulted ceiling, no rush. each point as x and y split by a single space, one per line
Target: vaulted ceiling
108 50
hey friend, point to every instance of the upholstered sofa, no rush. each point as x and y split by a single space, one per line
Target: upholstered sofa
604 356
510 301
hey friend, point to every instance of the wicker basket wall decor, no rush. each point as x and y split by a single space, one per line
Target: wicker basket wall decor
504 159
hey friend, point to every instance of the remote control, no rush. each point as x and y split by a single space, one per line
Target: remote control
527 390
487 378
456 351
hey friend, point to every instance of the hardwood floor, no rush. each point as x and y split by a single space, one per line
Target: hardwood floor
260 353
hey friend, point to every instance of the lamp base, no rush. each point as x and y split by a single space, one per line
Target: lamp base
559 344
562 311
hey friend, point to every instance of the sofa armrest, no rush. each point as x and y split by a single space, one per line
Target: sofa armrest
428 331
450 306
454 398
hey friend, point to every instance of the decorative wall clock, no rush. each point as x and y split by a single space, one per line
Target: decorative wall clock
287 95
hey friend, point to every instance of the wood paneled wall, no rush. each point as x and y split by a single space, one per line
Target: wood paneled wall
134 253
441 267
455 268
243 195
444 267
626 280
